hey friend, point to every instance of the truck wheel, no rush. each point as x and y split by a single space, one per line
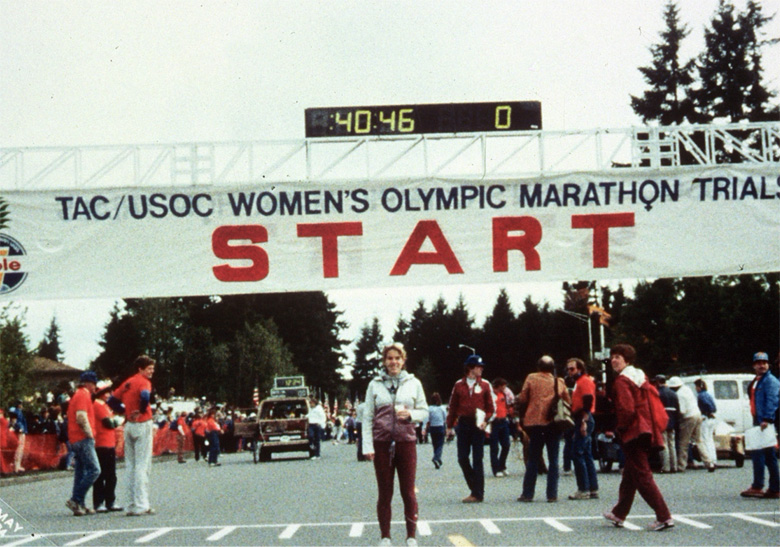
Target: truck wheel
739 459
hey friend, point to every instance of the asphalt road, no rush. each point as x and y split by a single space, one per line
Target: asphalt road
331 501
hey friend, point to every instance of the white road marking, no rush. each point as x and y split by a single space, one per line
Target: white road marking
289 532
22 541
630 526
423 528
216 536
691 522
154 535
755 519
356 530
555 523
88 537
490 526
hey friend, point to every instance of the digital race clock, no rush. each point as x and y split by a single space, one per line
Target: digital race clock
351 121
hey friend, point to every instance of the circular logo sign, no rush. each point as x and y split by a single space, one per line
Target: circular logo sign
12 273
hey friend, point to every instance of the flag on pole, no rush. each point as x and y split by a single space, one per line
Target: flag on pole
256 396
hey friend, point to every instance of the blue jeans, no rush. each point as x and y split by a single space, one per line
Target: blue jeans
315 436
471 441
499 439
87 469
541 436
766 458
213 437
582 457
437 440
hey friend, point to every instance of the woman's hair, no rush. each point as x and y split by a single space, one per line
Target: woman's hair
701 384
436 398
397 346
627 351
498 382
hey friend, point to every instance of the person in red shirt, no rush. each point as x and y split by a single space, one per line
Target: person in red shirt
583 404
81 433
104 489
471 407
135 394
181 436
199 436
499 428
213 431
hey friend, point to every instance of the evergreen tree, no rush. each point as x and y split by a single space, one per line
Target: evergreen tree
260 356
368 358
49 346
730 68
15 359
120 346
667 101
499 343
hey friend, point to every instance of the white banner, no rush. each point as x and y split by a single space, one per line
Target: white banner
178 241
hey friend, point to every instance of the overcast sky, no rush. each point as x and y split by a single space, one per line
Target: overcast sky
97 73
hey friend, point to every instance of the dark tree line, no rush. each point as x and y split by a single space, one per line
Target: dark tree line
678 326
222 347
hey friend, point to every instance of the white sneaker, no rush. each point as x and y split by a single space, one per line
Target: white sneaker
385 542
411 542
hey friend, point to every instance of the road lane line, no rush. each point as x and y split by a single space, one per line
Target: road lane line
289 532
490 526
216 536
154 535
459 541
755 519
88 537
629 526
423 528
357 530
555 523
694 523
22 541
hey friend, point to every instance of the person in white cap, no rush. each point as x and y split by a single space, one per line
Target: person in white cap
690 424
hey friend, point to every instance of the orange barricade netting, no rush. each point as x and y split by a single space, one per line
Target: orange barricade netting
43 451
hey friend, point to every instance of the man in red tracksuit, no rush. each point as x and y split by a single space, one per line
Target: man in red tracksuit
471 407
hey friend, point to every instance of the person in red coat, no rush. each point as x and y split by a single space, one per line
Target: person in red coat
634 425
471 408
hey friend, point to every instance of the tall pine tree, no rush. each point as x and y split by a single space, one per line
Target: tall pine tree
667 100
49 347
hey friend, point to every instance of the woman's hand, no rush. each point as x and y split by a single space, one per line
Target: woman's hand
369 457
404 414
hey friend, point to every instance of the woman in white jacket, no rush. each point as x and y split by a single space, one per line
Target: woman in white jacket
395 401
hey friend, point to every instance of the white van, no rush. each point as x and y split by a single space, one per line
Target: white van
731 397
732 403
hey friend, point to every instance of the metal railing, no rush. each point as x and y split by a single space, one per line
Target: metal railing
477 156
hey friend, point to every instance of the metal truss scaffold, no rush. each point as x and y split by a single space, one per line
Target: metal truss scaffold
527 154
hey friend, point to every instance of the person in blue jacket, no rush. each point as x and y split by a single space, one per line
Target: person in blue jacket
764 392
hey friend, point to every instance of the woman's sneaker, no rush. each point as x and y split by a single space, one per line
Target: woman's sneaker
616 522
580 495
657 526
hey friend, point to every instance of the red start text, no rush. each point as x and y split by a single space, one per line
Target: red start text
509 234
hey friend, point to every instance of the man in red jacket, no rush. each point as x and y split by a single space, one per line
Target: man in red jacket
471 407
634 425
135 394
